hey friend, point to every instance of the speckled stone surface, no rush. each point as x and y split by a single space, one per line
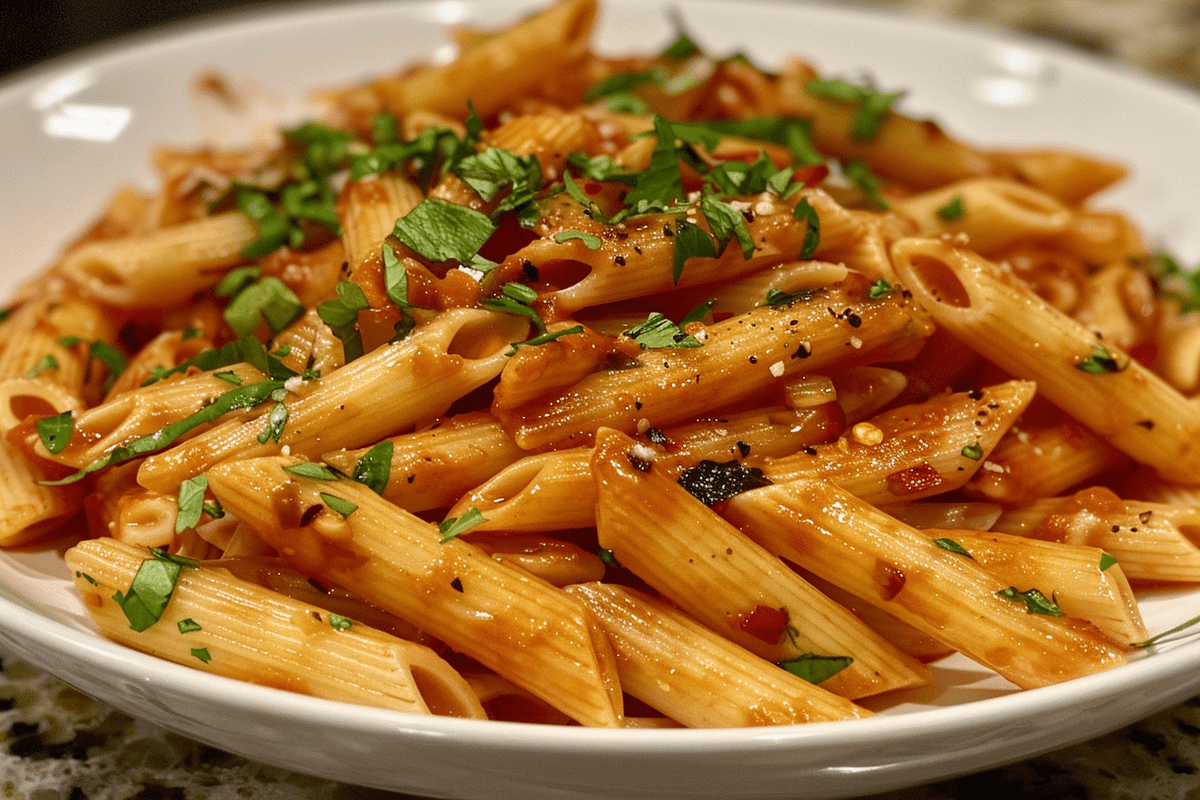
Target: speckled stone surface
56 744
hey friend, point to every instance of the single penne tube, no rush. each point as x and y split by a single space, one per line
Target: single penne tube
641 261
386 391
1070 176
704 565
677 666
1153 542
555 560
341 532
48 338
863 550
434 467
368 210
1076 578
28 508
221 624
994 213
915 152
749 292
740 357
1044 455
496 69
912 451
554 491
141 412
1096 383
163 267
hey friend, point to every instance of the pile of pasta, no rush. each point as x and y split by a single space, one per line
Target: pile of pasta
651 391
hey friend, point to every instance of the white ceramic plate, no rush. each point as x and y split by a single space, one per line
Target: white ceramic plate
76 128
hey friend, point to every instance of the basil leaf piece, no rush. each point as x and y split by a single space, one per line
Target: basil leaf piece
867 182
778 297
814 668
314 470
55 432
658 333
245 350
151 588
879 288
1035 601
236 280
691 241
455 525
395 277
374 467
952 210
276 419
190 503
1106 561
43 364
202 654
516 298
338 504
341 315
873 106
1100 362
495 169
972 451
804 212
601 168
273 230
439 230
188 625
952 546
269 299
590 240
619 83
726 223
544 339
339 623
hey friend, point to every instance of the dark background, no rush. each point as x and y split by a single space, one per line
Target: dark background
34 30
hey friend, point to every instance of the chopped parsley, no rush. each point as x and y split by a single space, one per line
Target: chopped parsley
544 338
202 654
188 625
517 298
340 623
972 451
1106 561
276 418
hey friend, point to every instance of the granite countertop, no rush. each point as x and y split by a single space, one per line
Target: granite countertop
57 743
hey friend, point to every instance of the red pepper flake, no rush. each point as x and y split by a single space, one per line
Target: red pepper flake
764 623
